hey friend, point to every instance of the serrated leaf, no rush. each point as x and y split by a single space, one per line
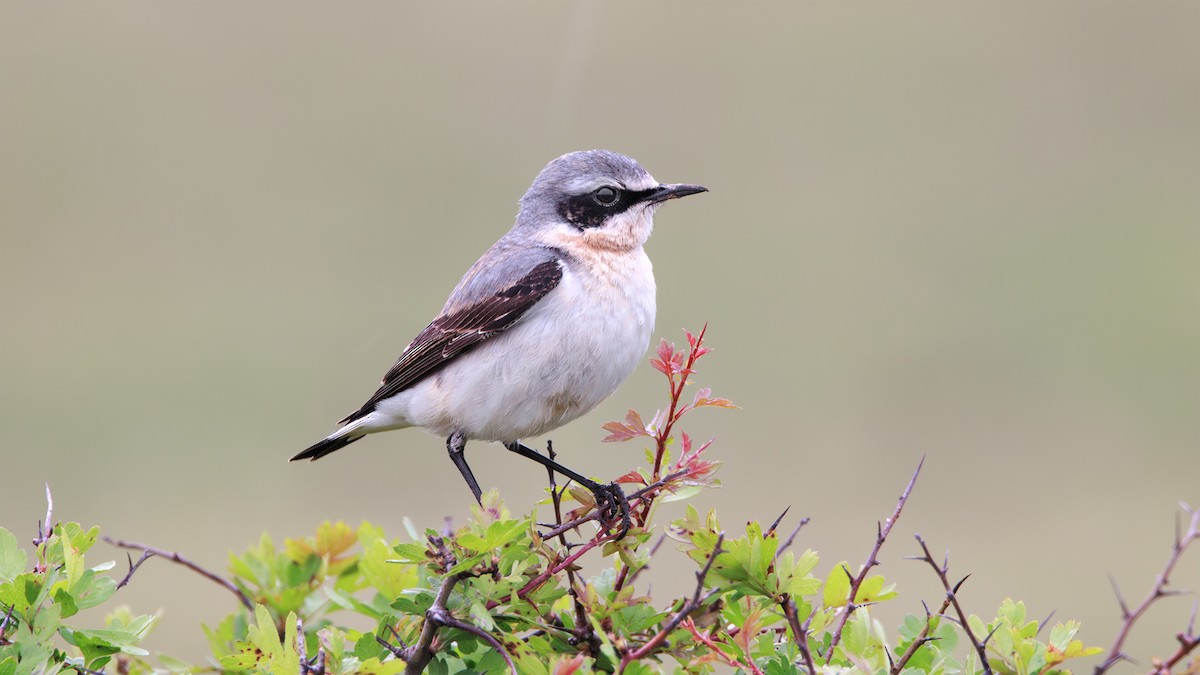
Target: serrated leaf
632 427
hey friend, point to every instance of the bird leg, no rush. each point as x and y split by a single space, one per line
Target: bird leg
610 498
457 447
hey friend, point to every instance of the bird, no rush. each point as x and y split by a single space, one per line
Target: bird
543 327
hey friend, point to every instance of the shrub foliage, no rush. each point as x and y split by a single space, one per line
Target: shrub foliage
505 593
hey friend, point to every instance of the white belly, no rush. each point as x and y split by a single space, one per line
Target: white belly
566 355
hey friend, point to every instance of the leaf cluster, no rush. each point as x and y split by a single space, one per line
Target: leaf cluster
507 593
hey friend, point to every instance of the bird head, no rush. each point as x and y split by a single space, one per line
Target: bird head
595 199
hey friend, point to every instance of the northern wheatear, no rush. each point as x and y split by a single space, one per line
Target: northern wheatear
543 327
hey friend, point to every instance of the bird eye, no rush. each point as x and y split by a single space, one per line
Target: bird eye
605 196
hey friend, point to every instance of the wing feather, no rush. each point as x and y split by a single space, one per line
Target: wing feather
456 332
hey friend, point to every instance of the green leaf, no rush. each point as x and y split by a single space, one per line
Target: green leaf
72 557
837 586
411 553
388 578
13 559
93 589
65 602
21 591
367 647
680 494
46 622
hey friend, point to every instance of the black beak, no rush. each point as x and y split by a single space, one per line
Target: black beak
673 191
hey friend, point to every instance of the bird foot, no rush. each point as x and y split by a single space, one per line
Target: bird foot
614 509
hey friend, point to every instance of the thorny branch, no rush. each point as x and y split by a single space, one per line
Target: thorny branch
799 632
1188 640
133 566
923 636
787 543
449 621
417 656
882 531
716 650
687 608
176 558
952 598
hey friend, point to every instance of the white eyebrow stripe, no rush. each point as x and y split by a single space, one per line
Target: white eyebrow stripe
583 185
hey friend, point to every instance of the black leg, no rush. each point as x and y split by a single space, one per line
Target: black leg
529 453
456 445
611 500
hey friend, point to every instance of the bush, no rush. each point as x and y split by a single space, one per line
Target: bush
505 594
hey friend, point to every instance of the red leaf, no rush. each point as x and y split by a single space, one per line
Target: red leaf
633 427
569 667
666 351
632 477
704 397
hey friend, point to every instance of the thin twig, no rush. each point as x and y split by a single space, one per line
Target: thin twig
687 608
952 597
921 639
1187 643
4 624
176 558
583 633
799 631
882 531
397 651
716 650
653 550
1158 591
133 566
418 655
301 646
787 543
449 621
45 528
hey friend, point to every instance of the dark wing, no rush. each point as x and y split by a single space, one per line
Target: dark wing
458 331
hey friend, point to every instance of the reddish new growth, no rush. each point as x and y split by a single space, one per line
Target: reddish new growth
678 366
690 470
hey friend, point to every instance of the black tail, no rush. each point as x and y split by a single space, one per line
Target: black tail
325 447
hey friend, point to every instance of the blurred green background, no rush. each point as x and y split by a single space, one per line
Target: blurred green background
965 230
